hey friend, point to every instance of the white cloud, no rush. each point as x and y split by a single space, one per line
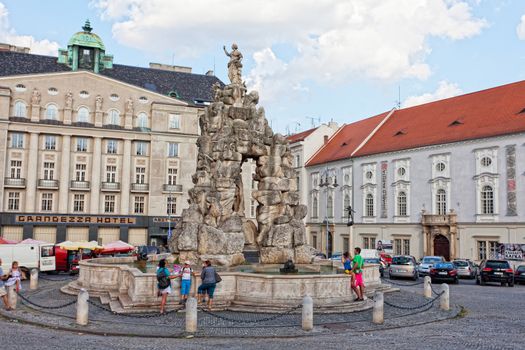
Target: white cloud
8 35
332 41
520 29
444 90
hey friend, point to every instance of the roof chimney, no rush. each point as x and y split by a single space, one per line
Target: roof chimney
325 139
210 73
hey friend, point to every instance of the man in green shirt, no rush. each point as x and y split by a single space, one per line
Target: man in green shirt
358 285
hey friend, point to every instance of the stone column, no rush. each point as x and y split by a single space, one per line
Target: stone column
95 176
82 307
126 176
427 287
444 299
32 173
378 310
191 315
308 313
63 192
33 282
12 296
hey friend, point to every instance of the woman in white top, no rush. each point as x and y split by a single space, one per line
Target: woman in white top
15 276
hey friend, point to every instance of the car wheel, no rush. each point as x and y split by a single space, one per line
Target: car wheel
511 284
503 284
481 282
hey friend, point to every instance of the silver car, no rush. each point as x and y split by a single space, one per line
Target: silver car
427 262
465 268
403 266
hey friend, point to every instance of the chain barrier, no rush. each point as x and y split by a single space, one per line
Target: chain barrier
433 290
389 281
46 278
145 315
266 319
24 298
402 307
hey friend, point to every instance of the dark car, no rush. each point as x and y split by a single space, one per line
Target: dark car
495 271
376 261
519 276
444 272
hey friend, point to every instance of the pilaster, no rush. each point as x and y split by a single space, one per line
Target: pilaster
95 176
126 175
63 192
32 173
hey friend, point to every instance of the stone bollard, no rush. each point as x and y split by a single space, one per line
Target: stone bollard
445 298
308 313
191 315
378 311
12 297
427 287
82 307
33 282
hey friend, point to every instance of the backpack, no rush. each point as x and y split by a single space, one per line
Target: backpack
217 277
182 272
163 280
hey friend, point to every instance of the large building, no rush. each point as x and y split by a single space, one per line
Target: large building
92 150
443 178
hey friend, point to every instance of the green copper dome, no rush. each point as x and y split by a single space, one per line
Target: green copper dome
86 38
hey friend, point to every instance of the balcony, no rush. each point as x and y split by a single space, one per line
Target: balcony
139 187
110 186
436 220
48 184
172 188
79 185
14 183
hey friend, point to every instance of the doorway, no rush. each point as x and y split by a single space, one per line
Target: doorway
442 247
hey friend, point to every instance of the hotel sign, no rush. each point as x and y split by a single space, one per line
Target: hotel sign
76 219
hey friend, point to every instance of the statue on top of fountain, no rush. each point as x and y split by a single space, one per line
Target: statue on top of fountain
214 226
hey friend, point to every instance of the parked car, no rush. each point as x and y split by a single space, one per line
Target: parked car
376 261
386 258
465 268
427 263
403 266
519 275
495 271
444 272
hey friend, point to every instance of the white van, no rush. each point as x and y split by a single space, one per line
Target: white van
29 256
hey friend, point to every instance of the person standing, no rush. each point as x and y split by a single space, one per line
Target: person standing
3 291
14 280
163 283
185 282
347 262
209 282
358 285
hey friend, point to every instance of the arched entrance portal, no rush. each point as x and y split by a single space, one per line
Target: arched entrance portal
442 247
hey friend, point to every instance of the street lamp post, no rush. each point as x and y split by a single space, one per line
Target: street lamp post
329 185
170 203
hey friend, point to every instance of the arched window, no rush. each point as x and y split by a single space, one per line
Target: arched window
346 204
487 200
20 109
52 112
83 115
330 207
142 120
441 202
314 207
402 203
369 205
113 117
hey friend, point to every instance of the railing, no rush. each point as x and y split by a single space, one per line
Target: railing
436 220
110 186
12 182
79 185
43 183
171 188
139 187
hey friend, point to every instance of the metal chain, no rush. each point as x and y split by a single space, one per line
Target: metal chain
24 298
266 319
433 290
68 278
402 284
145 315
402 307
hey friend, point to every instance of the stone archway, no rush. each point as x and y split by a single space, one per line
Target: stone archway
442 246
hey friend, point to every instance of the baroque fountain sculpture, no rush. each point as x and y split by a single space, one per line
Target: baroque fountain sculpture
233 130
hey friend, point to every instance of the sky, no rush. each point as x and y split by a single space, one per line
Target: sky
312 61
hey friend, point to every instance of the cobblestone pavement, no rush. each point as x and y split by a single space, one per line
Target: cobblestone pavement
494 320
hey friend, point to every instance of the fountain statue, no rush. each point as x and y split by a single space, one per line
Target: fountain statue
234 129
289 267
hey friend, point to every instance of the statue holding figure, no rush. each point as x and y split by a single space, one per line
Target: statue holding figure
235 65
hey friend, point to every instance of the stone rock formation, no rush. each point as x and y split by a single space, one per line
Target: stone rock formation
234 129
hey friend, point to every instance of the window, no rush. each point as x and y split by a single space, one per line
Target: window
171 206
330 207
49 170
47 201
401 171
13 202
50 142
397 247
78 203
52 112
142 120
369 242
346 204
487 200
17 140
173 149
82 144
172 176
402 246
20 109
486 161
111 146
174 121
402 203
111 173
369 205
297 160
440 166
113 117
83 94
487 250
80 172
314 241
16 169
314 207
143 99
109 204
20 87
441 202
346 244
406 247
83 115
52 91
139 205
253 208
141 148
114 97
140 175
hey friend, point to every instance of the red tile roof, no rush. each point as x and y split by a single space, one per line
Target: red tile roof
300 136
481 114
346 140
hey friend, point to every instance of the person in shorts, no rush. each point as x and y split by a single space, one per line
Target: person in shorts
358 284
163 273
208 283
185 275
3 291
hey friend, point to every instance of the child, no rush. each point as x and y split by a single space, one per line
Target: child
185 284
